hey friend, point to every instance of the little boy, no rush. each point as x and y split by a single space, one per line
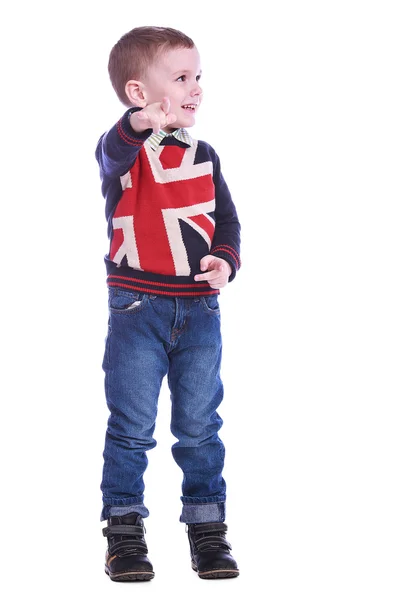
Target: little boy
174 243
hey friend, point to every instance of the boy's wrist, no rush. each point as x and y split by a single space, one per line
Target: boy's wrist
135 123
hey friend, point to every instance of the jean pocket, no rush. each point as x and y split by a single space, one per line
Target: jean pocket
210 304
121 301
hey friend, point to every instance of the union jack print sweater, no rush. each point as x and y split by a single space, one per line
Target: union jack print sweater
166 209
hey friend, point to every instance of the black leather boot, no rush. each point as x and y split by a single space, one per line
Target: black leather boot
210 551
126 557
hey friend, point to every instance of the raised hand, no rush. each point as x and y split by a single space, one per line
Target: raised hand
217 270
154 116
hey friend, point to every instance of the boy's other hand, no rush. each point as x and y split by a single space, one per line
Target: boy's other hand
154 116
218 271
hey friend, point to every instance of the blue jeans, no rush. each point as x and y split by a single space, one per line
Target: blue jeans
150 337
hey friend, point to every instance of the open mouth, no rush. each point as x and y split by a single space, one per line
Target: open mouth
190 107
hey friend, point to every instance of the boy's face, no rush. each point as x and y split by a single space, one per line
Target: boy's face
176 74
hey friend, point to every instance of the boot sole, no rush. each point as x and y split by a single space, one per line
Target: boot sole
131 576
216 573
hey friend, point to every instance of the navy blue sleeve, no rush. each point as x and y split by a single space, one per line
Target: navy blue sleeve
226 240
118 148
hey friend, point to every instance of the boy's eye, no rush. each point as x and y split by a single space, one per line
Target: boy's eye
183 78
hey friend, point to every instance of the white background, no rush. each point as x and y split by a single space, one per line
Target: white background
301 102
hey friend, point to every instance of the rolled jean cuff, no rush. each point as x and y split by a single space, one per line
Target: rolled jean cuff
119 511
203 512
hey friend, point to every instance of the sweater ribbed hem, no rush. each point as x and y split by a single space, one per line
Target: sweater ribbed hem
159 285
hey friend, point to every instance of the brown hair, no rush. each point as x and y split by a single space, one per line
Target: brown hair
136 50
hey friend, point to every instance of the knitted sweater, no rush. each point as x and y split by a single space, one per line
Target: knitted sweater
166 209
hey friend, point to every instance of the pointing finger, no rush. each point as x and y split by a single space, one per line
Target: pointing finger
165 105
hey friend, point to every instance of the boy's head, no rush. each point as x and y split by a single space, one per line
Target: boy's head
149 63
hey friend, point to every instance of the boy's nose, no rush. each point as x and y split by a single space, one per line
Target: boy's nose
196 91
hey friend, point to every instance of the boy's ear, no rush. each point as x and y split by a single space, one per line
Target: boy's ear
135 92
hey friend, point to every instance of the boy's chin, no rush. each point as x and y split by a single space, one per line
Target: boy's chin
187 122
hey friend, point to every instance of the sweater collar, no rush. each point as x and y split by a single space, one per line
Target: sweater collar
180 134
